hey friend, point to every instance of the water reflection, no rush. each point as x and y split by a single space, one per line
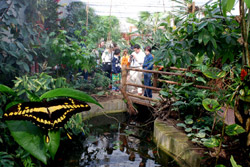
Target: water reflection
119 146
127 144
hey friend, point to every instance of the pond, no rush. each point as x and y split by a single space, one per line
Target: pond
114 141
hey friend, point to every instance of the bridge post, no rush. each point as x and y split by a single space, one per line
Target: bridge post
131 109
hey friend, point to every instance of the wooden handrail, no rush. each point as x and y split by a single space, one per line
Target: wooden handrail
177 83
142 97
134 98
156 72
179 69
143 86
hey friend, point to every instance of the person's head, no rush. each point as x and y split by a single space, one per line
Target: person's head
147 50
125 52
115 45
102 44
109 46
117 52
137 48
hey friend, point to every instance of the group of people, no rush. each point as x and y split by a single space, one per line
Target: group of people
112 62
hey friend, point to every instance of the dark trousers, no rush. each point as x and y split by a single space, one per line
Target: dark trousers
147 82
106 67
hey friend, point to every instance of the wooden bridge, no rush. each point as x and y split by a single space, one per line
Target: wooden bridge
134 98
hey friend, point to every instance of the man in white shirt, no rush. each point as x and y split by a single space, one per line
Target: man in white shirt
107 58
136 61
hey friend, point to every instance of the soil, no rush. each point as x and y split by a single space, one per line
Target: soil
107 96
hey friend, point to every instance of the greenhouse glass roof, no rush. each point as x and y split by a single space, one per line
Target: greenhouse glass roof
123 9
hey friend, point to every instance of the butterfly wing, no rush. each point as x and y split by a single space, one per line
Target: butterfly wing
36 112
61 110
48 115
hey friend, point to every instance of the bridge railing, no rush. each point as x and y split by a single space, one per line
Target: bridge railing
134 98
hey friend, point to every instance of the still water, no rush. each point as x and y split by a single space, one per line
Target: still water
115 141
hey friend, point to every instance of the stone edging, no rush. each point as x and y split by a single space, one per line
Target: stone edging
175 143
109 107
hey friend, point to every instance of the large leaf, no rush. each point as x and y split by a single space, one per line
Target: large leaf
6 89
212 142
211 105
189 121
227 6
247 3
54 142
214 73
234 164
30 137
234 129
32 96
68 92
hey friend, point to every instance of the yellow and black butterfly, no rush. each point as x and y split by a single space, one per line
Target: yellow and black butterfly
49 114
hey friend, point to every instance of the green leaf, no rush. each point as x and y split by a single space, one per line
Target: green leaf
214 73
26 67
220 165
211 105
202 25
189 29
227 6
211 142
247 3
211 28
164 93
181 125
186 84
12 104
201 135
213 42
6 89
201 80
189 74
234 164
54 142
189 121
230 5
234 129
68 92
32 97
30 137
200 37
178 103
206 38
188 129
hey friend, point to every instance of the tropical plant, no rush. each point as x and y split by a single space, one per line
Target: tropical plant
24 43
31 137
70 53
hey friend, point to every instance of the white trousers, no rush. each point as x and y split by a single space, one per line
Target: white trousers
136 78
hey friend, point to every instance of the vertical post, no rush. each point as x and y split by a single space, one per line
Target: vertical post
193 7
131 109
155 78
124 78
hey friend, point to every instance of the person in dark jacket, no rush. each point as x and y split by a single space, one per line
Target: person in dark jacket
148 65
116 70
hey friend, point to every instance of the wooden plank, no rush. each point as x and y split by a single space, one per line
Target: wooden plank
143 86
156 72
177 83
137 101
184 69
142 97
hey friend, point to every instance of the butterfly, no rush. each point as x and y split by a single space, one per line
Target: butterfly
49 114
